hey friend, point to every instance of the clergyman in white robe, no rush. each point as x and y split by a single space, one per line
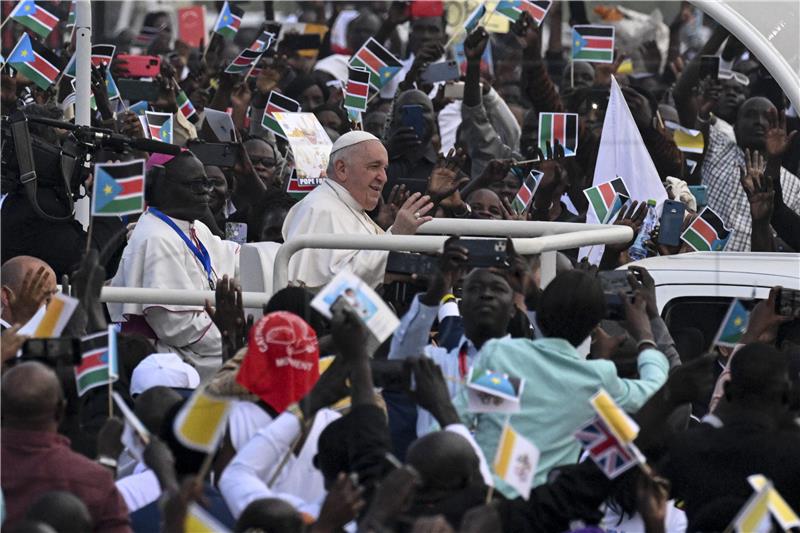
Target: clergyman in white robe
156 257
330 208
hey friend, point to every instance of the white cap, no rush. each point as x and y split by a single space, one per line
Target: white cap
166 369
352 137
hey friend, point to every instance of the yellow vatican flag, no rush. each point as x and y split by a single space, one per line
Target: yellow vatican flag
621 425
200 424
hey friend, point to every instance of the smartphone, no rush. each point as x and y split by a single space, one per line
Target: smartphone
236 232
442 71
390 374
709 67
51 351
293 42
788 303
412 118
671 223
217 154
486 253
700 193
612 282
454 91
409 263
131 66
137 90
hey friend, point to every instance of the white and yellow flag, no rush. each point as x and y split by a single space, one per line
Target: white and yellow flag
753 516
200 424
198 520
621 425
784 514
516 460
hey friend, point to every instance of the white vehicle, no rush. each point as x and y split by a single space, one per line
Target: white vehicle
694 290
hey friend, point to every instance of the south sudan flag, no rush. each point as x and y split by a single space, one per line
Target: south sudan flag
593 43
707 233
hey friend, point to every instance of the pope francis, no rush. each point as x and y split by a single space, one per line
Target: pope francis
356 177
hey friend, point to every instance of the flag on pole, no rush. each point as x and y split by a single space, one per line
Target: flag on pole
733 325
622 153
139 107
513 9
186 108
593 43
229 20
54 318
95 368
200 423
607 198
707 233
278 103
243 62
381 63
474 18
34 17
159 126
71 14
357 91
784 514
562 127
35 61
118 188
621 425
526 193
263 42
198 520
688 140
516 460
610 455
102 54
755 512
111 86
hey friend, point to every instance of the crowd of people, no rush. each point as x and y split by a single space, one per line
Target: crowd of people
324 431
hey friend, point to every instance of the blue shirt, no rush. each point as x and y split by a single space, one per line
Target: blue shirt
555 398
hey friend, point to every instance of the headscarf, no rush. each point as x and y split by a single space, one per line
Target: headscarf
282 361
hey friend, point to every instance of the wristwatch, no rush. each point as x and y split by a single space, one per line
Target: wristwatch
105 460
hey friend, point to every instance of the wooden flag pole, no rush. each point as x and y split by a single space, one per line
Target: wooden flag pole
89 229
205 467
110 398
572 73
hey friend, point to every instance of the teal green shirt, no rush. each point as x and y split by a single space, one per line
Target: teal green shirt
555 398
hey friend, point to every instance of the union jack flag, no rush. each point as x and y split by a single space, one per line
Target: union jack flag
611 456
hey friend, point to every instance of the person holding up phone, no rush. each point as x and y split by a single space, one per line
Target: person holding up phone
413 141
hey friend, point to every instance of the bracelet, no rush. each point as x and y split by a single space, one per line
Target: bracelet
450 297
107 461
645 342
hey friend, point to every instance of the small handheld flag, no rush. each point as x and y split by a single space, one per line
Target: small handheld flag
755 511
229 20
102 54
51 321
474 18
200 424
243 62
561 127
357 92
621 425
71 14
159 126
784 514
95 368
607 198
198 520
513 9
140 107
527 191
593 43
278 103
733 325
35 61
34 17
185 107
688 140
489 391
707 233
265 41
381 63
118 188
131 418
516 460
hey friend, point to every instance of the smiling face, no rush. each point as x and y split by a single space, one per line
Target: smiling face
485 204
362 171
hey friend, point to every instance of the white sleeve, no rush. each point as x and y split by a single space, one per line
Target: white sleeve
245 479
139 490
193 330
461 429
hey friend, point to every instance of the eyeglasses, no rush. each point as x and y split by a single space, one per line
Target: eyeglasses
267 162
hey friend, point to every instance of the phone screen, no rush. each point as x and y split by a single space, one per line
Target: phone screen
412 118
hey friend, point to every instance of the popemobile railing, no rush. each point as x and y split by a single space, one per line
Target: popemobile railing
529 238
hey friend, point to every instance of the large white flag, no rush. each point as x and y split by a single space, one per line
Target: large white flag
623 153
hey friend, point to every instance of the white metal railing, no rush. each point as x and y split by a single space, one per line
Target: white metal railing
529 238
430 244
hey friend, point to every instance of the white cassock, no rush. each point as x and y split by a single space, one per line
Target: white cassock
331 209
156 257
